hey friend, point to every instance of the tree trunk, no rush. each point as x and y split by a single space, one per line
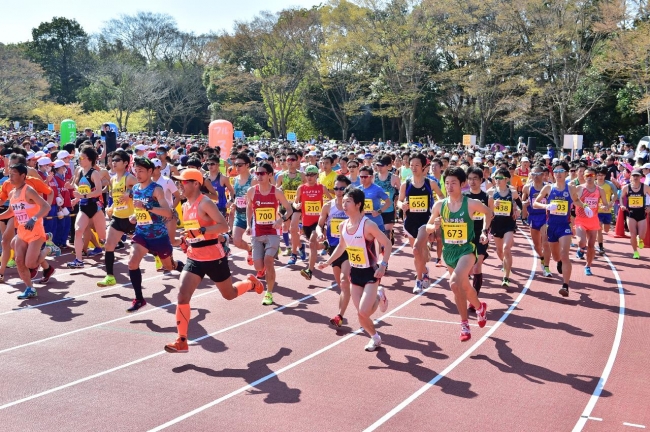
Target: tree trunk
383 129
484 127
556 136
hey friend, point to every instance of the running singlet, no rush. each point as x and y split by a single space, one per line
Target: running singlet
86 186
503 205
148 225
478 217
327 180
121 210
361 252
334 219
311 203
265 211
200 247
591 199
636 202
290 185
387 186
562 199
24 211
420 200
532 196
457 229
240 194
221 191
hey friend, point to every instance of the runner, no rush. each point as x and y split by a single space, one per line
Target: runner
377 200
289 181
537 217
265 226
390 184
475 180
358 236
219 182
453 216
605 210
203 225
587 223
330 219
633 204
243 182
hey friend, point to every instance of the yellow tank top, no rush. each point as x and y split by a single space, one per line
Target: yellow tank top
121 210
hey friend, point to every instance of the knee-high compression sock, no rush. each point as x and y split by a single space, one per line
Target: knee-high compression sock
136 281
109 258
182 319
285 237
477 282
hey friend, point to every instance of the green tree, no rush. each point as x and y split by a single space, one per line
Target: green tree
22 83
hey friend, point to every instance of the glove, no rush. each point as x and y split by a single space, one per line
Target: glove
552 207
589 212
29 225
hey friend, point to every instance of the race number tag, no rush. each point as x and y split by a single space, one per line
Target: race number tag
312 208
335 224
142 217
191 224
635 202
290 195
84 189
455 233
502 208
240 202
418 204
368 206
264 216
356 256
21 217
478 216
562 208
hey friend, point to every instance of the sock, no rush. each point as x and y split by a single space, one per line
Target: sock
376 337
243 287
478 282
136 281
182 319
600 245
109 258
285 237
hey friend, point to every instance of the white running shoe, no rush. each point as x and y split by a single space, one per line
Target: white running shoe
373 344
417 289
383 301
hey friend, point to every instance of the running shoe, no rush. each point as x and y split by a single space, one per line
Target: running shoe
588 271
287 251
373 344
120 245
465 333
47 274
33 273
249 258
257 285
641 244
96 251
439 263
27 294
580 254
635 256
417 289
11 263
426 281
383 301
306 273
337 321
124 237
505 282
547 272
48 239
268 299
303 252
159 264
180 346
136 304
564 291
54 250
292 260
601 250
75 264
323 252
481 315
261 274
559 267
107 281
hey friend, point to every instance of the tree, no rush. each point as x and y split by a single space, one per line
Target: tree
61 48
186 98
22 83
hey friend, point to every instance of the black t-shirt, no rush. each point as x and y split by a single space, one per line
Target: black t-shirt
111 141
612 172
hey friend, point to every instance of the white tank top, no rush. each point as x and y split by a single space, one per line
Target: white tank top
166 172
360 252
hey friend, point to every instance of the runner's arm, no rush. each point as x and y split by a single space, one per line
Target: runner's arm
279 195
476 206
35 198
402 196
434 221
211 209
338 251
322 220
538 204
163 210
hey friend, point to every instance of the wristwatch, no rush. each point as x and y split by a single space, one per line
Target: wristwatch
379 211
202 229
34 218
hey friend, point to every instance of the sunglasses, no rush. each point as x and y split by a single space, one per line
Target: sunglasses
211 163
590 175
239 165
82 158
341 189
499 178
116 160
572 170
364 176
291 159
559 171
187 181
260 173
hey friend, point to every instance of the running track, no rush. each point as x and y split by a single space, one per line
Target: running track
76 361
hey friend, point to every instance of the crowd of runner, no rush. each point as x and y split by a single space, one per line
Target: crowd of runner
322 205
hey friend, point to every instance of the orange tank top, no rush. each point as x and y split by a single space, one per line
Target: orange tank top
24 211
200 247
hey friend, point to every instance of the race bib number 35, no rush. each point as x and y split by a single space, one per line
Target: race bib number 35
356 256
455 233
419 204
562 208
312 208
142 217
264 216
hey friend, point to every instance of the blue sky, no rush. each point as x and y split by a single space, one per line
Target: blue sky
198 16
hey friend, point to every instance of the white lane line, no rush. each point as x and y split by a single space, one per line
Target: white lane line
434 321
633 425
591 404
467 353
289 366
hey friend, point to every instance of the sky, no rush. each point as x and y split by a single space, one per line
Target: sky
198 16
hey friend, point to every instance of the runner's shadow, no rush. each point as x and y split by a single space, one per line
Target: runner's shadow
58 312
276 391
529 323
427 348
447 304
300 310
537 374
412 366
195 319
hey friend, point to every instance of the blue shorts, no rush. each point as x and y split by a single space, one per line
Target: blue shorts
536 222
555 232
160 246
240 221
605 218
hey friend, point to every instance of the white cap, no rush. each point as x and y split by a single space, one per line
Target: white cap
313 153
30 155
555 160
58 163
50 145
525 159
141 147
646 166
156 162
446 155
499 155
44 161
478 154
546 156
477 160
62 154
39 154
454 158
262 155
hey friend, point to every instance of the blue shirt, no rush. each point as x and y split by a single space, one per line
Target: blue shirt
376 194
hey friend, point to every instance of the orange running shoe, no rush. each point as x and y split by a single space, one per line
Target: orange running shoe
257 285
180 346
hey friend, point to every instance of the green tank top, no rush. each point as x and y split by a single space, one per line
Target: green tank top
291 184
457 229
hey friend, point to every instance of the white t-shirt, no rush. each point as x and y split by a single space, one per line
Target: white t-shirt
169 188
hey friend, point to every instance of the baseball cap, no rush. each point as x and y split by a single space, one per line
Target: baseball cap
58 163
385 161
151 154
499 155
525 159
183 160
156 162
311 169
39 154
141 147
190 174
44 161
477 160
367 156
454 158
62 154
50 145
546 156
30 155
312 153
646 166
637 173
262 155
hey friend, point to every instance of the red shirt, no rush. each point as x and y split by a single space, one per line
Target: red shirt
311 202
265 210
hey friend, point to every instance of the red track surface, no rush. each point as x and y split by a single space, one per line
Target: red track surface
82 363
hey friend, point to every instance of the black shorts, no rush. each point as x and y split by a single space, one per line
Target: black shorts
363 276
481 249
413 224
2 210
636 214
388 217
500 229
308 229
340 260
217 270
122 224
90 208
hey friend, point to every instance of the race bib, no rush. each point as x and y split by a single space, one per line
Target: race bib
562 208
21 216
591 202
84 189
142 217
335 224
502 208
368 206
264 216
419 204
455 233
191 224
312 208
240 202
290 195
478 216
356 256
635 202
